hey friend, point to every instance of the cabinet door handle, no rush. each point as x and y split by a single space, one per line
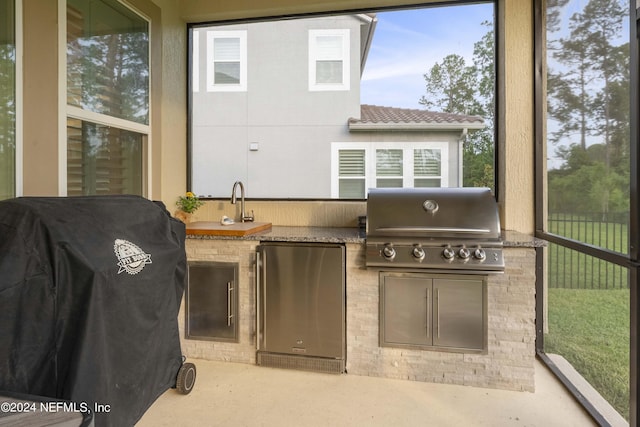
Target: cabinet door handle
438 313
229 313
427 311
261 298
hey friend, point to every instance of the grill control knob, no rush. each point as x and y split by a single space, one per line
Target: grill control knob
388 252
448 253
480 254
464 253
418 252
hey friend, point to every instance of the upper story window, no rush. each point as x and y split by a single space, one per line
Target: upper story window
226 61
328 60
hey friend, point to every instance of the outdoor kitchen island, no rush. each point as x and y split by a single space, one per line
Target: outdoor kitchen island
507 362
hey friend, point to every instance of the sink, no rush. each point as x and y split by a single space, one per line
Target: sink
211 228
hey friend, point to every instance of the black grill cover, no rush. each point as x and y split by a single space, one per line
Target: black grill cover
90 289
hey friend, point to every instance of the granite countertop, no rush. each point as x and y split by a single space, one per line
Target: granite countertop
515 239
280 233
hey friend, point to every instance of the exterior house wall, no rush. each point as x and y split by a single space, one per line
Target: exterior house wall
277 111
285 119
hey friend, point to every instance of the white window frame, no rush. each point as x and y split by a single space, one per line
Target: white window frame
371 148
211 85
345 58
66 111
195 60
19 154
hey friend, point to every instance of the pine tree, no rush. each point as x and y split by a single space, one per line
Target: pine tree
452 86
588 99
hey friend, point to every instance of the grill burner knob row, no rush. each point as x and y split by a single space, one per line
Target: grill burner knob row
388 251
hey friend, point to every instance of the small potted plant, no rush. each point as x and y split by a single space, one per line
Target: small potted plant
187 205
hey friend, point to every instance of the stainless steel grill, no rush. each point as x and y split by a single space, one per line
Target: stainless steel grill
434 228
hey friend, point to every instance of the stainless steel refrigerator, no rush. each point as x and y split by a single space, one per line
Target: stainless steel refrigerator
301 306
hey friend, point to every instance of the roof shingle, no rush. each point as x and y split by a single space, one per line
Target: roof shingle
377 115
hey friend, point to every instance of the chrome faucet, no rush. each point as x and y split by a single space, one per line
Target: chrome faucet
243 216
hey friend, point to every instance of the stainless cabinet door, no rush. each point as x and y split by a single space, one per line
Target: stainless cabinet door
211 301
458 314
302 299
406 310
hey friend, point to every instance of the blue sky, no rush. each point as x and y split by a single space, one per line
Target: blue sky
408 43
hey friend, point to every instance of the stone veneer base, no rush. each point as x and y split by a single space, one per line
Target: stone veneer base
507 364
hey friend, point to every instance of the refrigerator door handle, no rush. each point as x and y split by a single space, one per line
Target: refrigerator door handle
258 299
264 299
260 288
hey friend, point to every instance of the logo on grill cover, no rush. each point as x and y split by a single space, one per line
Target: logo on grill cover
131 258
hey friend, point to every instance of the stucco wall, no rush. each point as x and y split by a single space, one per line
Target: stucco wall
516 115
205 10
277 111
40 99
173 144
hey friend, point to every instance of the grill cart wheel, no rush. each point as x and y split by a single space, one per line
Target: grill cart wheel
186 378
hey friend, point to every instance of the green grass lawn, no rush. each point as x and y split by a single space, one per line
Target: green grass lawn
590 328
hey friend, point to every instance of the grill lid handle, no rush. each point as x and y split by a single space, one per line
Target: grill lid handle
433 229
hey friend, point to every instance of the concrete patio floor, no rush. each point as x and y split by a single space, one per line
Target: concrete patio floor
233 394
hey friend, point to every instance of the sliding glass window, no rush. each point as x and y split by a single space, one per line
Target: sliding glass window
107 98
7 100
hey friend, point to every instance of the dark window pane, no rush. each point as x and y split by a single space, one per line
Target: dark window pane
352 189
103 160
108 59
